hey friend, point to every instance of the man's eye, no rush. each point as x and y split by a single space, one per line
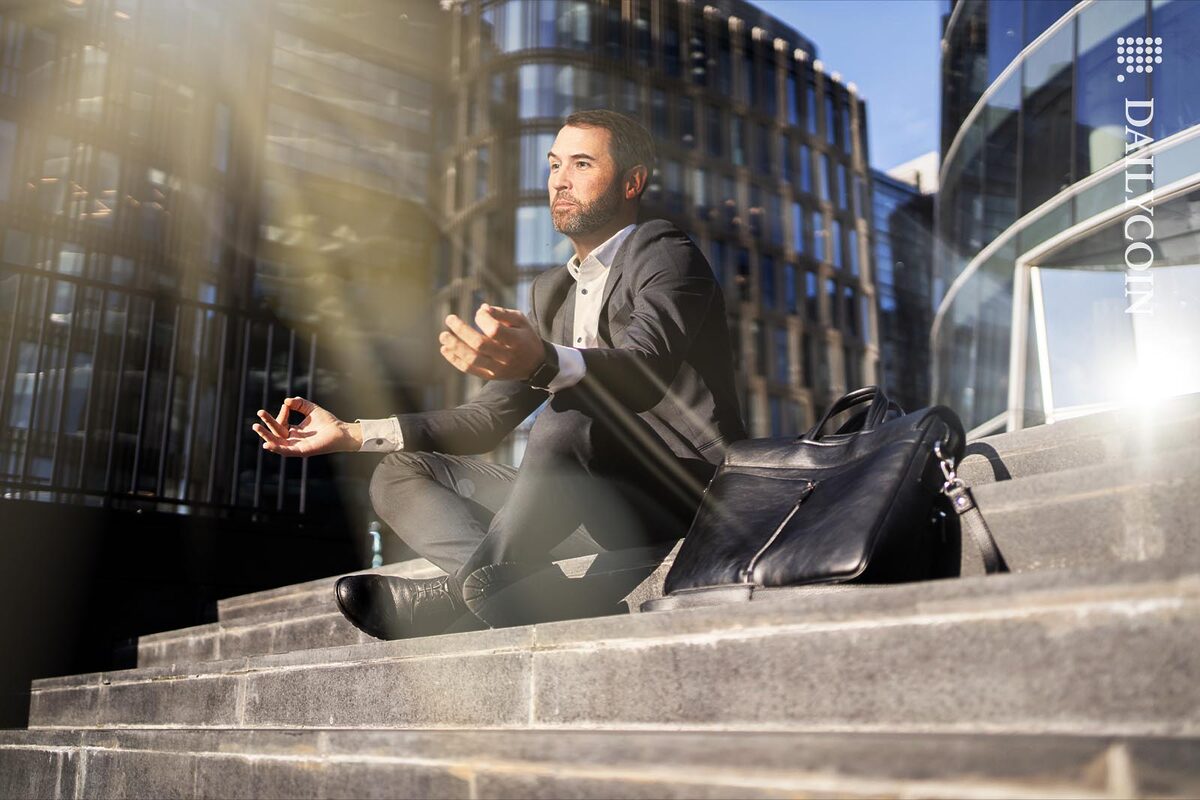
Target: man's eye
583 164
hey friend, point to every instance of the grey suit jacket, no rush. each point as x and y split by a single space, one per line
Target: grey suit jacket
666 363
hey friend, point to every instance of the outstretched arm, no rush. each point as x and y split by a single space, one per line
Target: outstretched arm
320 432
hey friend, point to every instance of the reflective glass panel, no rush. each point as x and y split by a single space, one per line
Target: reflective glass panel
1046 113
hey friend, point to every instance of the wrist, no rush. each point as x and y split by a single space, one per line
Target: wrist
546 370
353 435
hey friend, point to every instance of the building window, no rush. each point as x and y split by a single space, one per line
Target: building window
850 362
774 219
713 134
685 118
737 140
670 44
643 45
770 103
775 411
806 360
818 235
797 227
789 288
849 310
847 129
700 192
852 251
697 55
786 157
767 281
805 178
792 100
673 182
810 106
835 242
823 176
830 117
1046 124
756 211
553 90
746 73
743 274
724 67
659 125
535 166
831 292
812 303
782 362
1099 100
762 145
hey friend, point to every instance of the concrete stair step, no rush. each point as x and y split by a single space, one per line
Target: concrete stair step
1083 441
1097 650
635 574
310 593
1136 509
585 764
320 592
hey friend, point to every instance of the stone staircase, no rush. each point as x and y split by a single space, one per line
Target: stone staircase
1074 675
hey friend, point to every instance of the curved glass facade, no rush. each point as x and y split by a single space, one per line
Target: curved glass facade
761 159
1060 121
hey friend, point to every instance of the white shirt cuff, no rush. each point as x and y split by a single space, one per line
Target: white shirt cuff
381 435
571 369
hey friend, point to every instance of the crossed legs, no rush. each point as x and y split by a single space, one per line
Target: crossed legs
583 486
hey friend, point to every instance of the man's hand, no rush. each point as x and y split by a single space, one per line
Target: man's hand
507 349
317 434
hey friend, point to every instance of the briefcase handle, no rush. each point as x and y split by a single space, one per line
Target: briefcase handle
875 414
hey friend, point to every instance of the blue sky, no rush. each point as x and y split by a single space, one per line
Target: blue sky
890 48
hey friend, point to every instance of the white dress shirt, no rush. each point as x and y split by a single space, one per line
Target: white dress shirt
591 274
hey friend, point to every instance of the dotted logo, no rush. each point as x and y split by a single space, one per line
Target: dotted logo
1138 53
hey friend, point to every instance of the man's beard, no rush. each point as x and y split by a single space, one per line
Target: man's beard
583 219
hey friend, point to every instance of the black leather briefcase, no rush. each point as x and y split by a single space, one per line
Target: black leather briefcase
865 504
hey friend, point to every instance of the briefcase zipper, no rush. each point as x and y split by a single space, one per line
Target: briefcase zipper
748 572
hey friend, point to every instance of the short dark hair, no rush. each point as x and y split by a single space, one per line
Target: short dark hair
631 142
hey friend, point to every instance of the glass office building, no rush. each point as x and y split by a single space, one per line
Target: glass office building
903 288
206 205
1069 263
761 160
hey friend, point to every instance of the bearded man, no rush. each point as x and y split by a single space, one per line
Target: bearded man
626 346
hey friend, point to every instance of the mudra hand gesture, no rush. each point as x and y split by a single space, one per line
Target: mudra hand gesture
318 433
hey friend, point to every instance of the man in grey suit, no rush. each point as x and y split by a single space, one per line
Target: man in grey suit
628 348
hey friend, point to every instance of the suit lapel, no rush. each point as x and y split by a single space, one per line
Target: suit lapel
615 271
551 305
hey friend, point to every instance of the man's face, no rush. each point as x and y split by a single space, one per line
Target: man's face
585 187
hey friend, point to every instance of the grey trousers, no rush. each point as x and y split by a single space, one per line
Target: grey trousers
582 487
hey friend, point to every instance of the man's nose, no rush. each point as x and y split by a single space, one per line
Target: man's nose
559 180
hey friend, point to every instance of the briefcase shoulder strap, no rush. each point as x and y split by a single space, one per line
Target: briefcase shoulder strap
970 518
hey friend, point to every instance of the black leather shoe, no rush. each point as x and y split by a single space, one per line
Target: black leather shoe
388 607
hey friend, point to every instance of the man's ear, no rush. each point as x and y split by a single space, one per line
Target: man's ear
635 181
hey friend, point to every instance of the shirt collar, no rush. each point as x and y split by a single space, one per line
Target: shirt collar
599 259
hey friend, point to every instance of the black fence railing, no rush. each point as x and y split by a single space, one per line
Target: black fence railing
117 396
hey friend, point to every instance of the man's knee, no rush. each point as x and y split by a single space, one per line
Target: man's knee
560 432
396 469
